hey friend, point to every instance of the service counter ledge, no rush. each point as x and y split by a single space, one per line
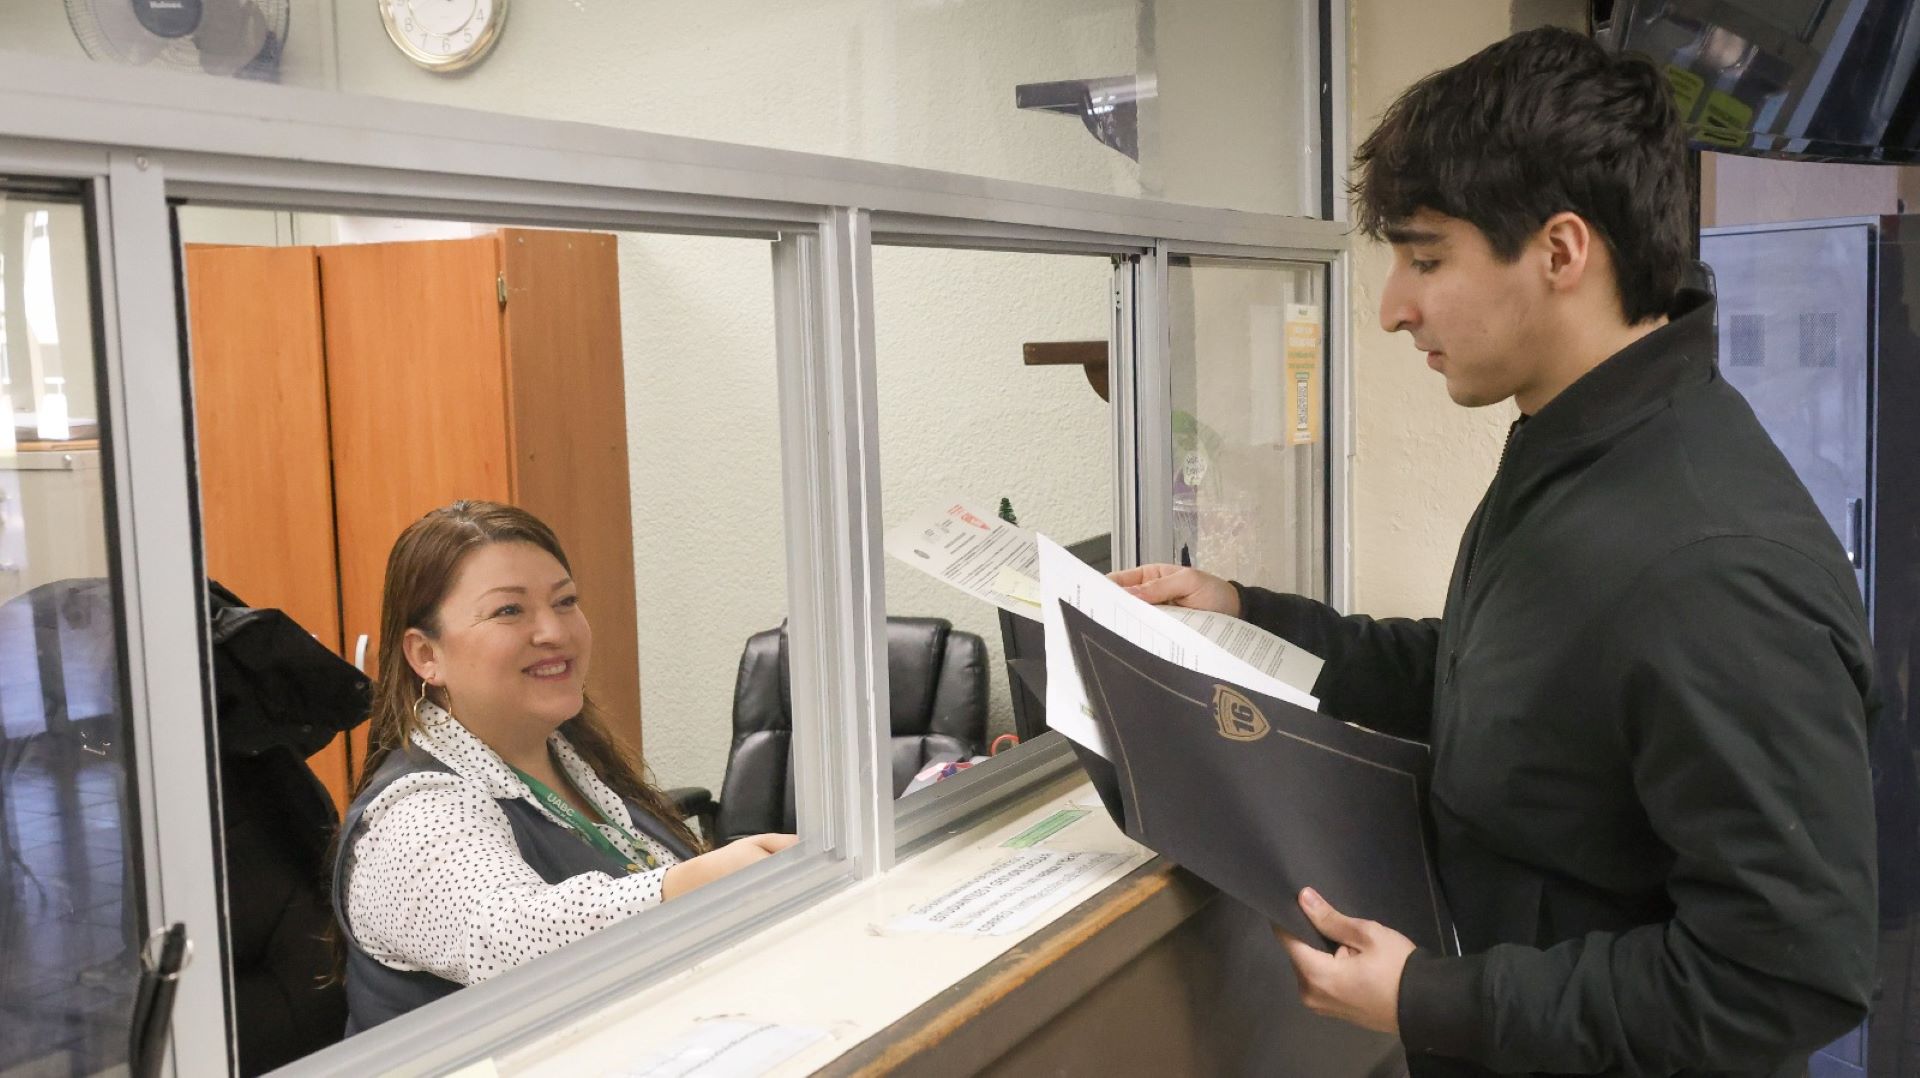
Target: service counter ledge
1139 969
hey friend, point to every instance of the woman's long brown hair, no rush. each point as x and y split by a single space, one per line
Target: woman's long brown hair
420 571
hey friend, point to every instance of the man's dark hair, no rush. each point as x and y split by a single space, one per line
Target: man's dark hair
1544 122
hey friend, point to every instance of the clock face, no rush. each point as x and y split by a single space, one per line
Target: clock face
444 35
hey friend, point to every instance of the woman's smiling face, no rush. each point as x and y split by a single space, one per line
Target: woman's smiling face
513 644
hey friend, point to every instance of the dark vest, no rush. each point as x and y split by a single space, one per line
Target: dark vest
376 991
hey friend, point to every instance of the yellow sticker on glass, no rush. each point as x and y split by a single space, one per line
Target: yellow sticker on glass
1303 394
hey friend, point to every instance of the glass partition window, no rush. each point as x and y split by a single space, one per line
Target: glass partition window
619 387
349 374
709 540
70 896
992 375
1186 100
1249 420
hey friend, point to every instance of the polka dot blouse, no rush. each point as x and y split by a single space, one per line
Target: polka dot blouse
437 883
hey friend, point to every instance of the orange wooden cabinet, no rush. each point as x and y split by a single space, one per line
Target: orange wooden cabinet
341 392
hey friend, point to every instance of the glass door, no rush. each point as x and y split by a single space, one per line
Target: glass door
71 897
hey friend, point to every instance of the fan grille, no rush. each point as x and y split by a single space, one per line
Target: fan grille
239 38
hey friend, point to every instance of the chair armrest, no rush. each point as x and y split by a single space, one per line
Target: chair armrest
696 803
692 801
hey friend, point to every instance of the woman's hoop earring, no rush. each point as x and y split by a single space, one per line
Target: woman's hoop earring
421 699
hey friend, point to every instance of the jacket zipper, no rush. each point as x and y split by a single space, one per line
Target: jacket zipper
1480 541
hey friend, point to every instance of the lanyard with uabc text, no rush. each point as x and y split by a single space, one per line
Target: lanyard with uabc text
584 827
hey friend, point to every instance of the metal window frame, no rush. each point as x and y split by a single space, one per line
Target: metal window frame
149 137
1341 398
153 559
1142 385
1340 404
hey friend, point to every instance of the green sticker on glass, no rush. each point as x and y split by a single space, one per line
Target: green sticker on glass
1726 121
1046 828
1686 89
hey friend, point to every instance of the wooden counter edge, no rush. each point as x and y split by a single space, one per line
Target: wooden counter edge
975 1021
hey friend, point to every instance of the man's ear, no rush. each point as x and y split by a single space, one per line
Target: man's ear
1568 245
423 654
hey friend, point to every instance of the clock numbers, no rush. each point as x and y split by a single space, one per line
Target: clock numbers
444 35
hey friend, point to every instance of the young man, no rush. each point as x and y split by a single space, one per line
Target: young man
1648 695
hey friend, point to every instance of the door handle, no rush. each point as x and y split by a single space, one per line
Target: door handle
1856 532
160 968
360 654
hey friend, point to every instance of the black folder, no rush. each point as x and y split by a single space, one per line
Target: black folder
1258 796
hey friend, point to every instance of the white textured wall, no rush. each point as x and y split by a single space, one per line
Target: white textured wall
1421 463
960 417
38 27
1235 122
921 83
703 438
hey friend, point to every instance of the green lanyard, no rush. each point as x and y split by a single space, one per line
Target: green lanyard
584 827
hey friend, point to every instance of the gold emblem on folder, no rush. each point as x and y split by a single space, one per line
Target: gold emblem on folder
1239 719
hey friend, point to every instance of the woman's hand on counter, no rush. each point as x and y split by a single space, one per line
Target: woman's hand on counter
725 861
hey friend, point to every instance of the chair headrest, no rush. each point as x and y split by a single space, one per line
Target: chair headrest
916 654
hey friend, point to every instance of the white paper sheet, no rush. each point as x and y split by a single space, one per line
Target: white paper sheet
975 551
724 1048
1064 577
1007 896
1261 649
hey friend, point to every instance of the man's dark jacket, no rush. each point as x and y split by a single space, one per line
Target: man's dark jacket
1648 702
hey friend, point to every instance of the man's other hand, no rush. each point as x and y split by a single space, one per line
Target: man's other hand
1359 983
1179 586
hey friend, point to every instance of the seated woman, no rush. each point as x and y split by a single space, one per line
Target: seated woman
497 819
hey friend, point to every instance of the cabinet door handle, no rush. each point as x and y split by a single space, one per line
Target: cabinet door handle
1856 531
360 654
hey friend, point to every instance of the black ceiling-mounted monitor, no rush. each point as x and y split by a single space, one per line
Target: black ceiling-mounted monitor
1814 79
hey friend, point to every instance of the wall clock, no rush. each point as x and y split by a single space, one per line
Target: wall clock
444 35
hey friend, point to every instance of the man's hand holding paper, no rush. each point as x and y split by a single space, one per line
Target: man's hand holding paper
1179 585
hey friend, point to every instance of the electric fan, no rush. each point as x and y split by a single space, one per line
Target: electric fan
239 38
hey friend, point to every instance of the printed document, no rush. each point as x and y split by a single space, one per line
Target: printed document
975 551
1253 645
998 562
1065 578
1008 895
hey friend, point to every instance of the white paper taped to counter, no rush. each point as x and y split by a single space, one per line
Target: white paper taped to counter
724 1048
1008 895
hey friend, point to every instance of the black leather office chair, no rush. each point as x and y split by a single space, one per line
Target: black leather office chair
937 678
